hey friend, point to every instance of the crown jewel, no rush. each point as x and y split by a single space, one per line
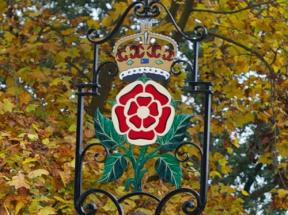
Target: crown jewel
146 53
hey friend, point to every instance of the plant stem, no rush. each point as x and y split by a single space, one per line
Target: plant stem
138 169
138 164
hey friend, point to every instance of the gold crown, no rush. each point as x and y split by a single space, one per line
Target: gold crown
146 53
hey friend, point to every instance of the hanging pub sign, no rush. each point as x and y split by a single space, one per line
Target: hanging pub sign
143 113
144 117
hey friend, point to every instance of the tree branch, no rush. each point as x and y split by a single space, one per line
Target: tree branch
252 177
187 9
232 11
261 191
257 54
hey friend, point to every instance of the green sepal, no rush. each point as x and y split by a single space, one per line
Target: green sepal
168 169
112 102
176 134
114 167
106 132
143 78
175 103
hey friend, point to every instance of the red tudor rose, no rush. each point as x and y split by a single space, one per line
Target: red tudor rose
143 112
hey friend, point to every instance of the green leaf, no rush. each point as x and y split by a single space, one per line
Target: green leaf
176 134
106 132
168 169
114 167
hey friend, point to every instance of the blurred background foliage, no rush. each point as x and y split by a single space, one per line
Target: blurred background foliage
44 53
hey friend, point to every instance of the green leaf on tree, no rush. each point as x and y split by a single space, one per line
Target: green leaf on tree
176 134
114 167
168 169
106 132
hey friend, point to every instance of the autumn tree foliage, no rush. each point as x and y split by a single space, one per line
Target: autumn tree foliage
44 54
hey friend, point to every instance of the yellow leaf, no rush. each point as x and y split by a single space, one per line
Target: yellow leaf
25 98
68 31
282 193
93 140
33 137
229 150
109 206
6 106
244 192
235 142
19 181
31 107
56 82
3 6
224 165
37 173
47 211
62 200
214 174
265 158
29 160
72 128
9 37
93 24
46 141
145 211
19 206
282 148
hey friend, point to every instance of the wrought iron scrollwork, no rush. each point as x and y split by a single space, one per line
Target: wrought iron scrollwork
112 72
184 157
146 9
188 207
123 198
91 208
188 63
92 34
199 32
97 155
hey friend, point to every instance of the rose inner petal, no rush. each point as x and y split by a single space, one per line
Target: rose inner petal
154 109
143 101
148 122
133 108
136 121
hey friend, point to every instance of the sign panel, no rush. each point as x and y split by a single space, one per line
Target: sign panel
143 113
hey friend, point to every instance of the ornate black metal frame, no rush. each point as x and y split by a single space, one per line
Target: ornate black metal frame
145 9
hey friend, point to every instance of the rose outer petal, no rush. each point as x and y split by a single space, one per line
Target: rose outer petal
163 99
136 121
119 111
145 135
147 122
131 94
153 108
133 108
166 112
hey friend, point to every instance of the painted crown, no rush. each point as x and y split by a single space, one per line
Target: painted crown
146 53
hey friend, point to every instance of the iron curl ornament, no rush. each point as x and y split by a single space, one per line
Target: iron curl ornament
144 115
